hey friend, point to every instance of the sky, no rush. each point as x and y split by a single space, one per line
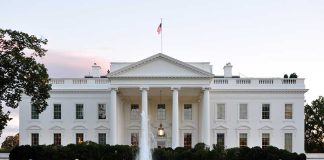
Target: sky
267 38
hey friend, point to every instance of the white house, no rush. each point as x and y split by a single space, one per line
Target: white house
184 99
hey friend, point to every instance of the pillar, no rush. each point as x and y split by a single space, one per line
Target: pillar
113 116
206 117
175 118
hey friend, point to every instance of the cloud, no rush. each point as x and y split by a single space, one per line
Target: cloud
61 64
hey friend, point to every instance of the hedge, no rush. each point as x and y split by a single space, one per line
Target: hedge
93 151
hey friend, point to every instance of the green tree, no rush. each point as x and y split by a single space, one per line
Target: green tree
314 126
10 142
20 73
293 75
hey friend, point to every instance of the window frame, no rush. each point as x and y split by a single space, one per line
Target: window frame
102 138
187 111
265 141
57 115
239 111
104 111
79 112
289 115
34 115
34 139
266 115
77 135
217 139
288 147
134 114
243 138
187 140
161 112
57 140
220 116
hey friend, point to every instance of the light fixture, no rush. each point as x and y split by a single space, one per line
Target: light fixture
161 131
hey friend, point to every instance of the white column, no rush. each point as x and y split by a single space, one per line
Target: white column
144 100
206 117
113 116
175 118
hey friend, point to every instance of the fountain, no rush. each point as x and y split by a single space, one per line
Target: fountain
144 147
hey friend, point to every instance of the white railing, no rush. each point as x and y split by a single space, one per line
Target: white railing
232 83
78 81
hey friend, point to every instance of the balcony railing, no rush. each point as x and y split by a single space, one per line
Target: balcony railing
258 83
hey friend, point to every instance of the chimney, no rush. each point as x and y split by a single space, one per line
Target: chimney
95 70
228 70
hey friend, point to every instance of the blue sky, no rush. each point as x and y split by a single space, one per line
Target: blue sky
260 38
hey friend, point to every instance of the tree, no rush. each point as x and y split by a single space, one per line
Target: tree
20 73
314 126
10 142
293 75
285 76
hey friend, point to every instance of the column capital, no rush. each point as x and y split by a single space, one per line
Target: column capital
144 88
114 89
206 88
175 88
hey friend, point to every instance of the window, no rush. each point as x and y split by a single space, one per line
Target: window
243 111
288 111
134 139
161 112
79 111
220 111
57 111
243 139
79 138
34 113
221 139
265 140
187 139
34 139
265 111
101 111
187 112
57 138
288 142
101 138
134 112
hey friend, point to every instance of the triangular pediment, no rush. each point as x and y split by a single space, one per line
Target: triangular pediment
160 65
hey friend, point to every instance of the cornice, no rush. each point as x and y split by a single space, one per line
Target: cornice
261 90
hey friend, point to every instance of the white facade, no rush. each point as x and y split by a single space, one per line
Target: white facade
199 107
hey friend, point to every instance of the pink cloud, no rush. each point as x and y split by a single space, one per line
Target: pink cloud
72 65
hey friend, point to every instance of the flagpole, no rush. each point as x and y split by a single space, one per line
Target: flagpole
161 37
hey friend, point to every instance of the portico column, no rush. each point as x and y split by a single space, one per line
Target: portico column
144 100
113 115
206 117
175 118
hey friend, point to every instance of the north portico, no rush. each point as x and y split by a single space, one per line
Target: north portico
183 100
161 79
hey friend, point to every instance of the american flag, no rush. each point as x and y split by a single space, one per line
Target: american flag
159 29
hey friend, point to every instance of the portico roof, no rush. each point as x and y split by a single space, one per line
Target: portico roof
160 66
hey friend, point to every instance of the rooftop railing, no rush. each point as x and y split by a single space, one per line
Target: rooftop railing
238 83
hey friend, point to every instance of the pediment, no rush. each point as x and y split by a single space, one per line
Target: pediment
79 128
34 128
289 127
221 127
266 128
243 128
101 128
56 128
160 65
